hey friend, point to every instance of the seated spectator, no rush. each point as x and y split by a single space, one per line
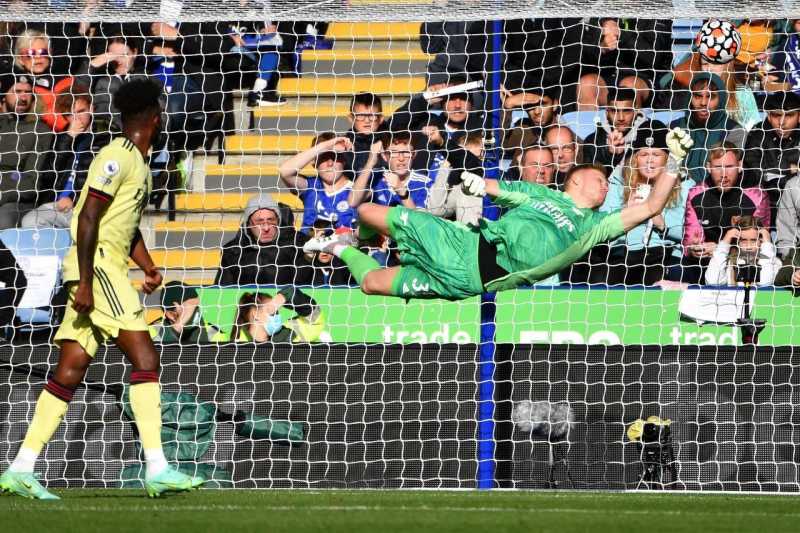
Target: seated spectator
120 62
267 250
644 255
328 269
740 104
747 244
188 98
390 185
787 221
453 115
536 165
611 143
567 153
780 70
258 318
366 118
74 149
25 144
32 63
183 321
789 274
261 43
627 53
707 122
541 107
772 150
456 120
325 197
715 206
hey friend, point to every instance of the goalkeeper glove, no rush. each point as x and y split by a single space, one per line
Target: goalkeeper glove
472 184
679 143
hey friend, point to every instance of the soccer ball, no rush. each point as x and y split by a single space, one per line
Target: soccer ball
718 41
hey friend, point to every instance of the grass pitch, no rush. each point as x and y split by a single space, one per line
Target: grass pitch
395 511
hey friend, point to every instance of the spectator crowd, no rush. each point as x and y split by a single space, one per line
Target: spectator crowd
574 91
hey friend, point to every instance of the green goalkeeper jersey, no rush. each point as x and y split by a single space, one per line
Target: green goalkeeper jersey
542 232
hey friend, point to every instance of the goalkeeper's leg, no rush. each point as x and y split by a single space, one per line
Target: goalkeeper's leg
50 410
145 397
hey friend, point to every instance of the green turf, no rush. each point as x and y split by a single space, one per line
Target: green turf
395 511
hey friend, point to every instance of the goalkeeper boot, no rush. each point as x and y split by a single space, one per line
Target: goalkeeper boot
171 480
327 243
25 484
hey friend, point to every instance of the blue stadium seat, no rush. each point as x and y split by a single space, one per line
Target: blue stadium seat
42 242
582 123
665 117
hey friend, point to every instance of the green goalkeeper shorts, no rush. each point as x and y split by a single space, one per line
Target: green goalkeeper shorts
439 258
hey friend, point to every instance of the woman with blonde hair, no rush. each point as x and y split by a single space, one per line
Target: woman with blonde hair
32 63
644 255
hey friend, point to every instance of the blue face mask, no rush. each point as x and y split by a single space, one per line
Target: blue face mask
274 324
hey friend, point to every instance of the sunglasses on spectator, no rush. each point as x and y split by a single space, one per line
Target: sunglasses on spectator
35 52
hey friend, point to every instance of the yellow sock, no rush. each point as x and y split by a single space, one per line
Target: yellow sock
146 405
46 417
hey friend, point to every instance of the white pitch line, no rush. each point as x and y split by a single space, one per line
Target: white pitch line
367 508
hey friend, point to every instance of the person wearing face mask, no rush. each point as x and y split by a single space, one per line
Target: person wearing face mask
644 254
746 244
258 318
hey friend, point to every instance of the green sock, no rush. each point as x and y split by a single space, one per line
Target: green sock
366 232
359 263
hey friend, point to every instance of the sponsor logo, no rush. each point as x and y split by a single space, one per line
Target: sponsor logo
555 213
111 168
441 335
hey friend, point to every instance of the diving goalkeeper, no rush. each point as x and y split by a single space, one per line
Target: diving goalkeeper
542 232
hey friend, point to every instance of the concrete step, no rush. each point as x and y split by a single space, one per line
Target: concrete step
194 234
309 117
347 86
183 259
256 144
228 201
373 31
364 62
245 177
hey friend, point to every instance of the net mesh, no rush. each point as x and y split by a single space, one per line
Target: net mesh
331 387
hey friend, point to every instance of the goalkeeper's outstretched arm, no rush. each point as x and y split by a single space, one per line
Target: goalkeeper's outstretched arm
679 144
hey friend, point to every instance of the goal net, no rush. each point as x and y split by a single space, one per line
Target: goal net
662 358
